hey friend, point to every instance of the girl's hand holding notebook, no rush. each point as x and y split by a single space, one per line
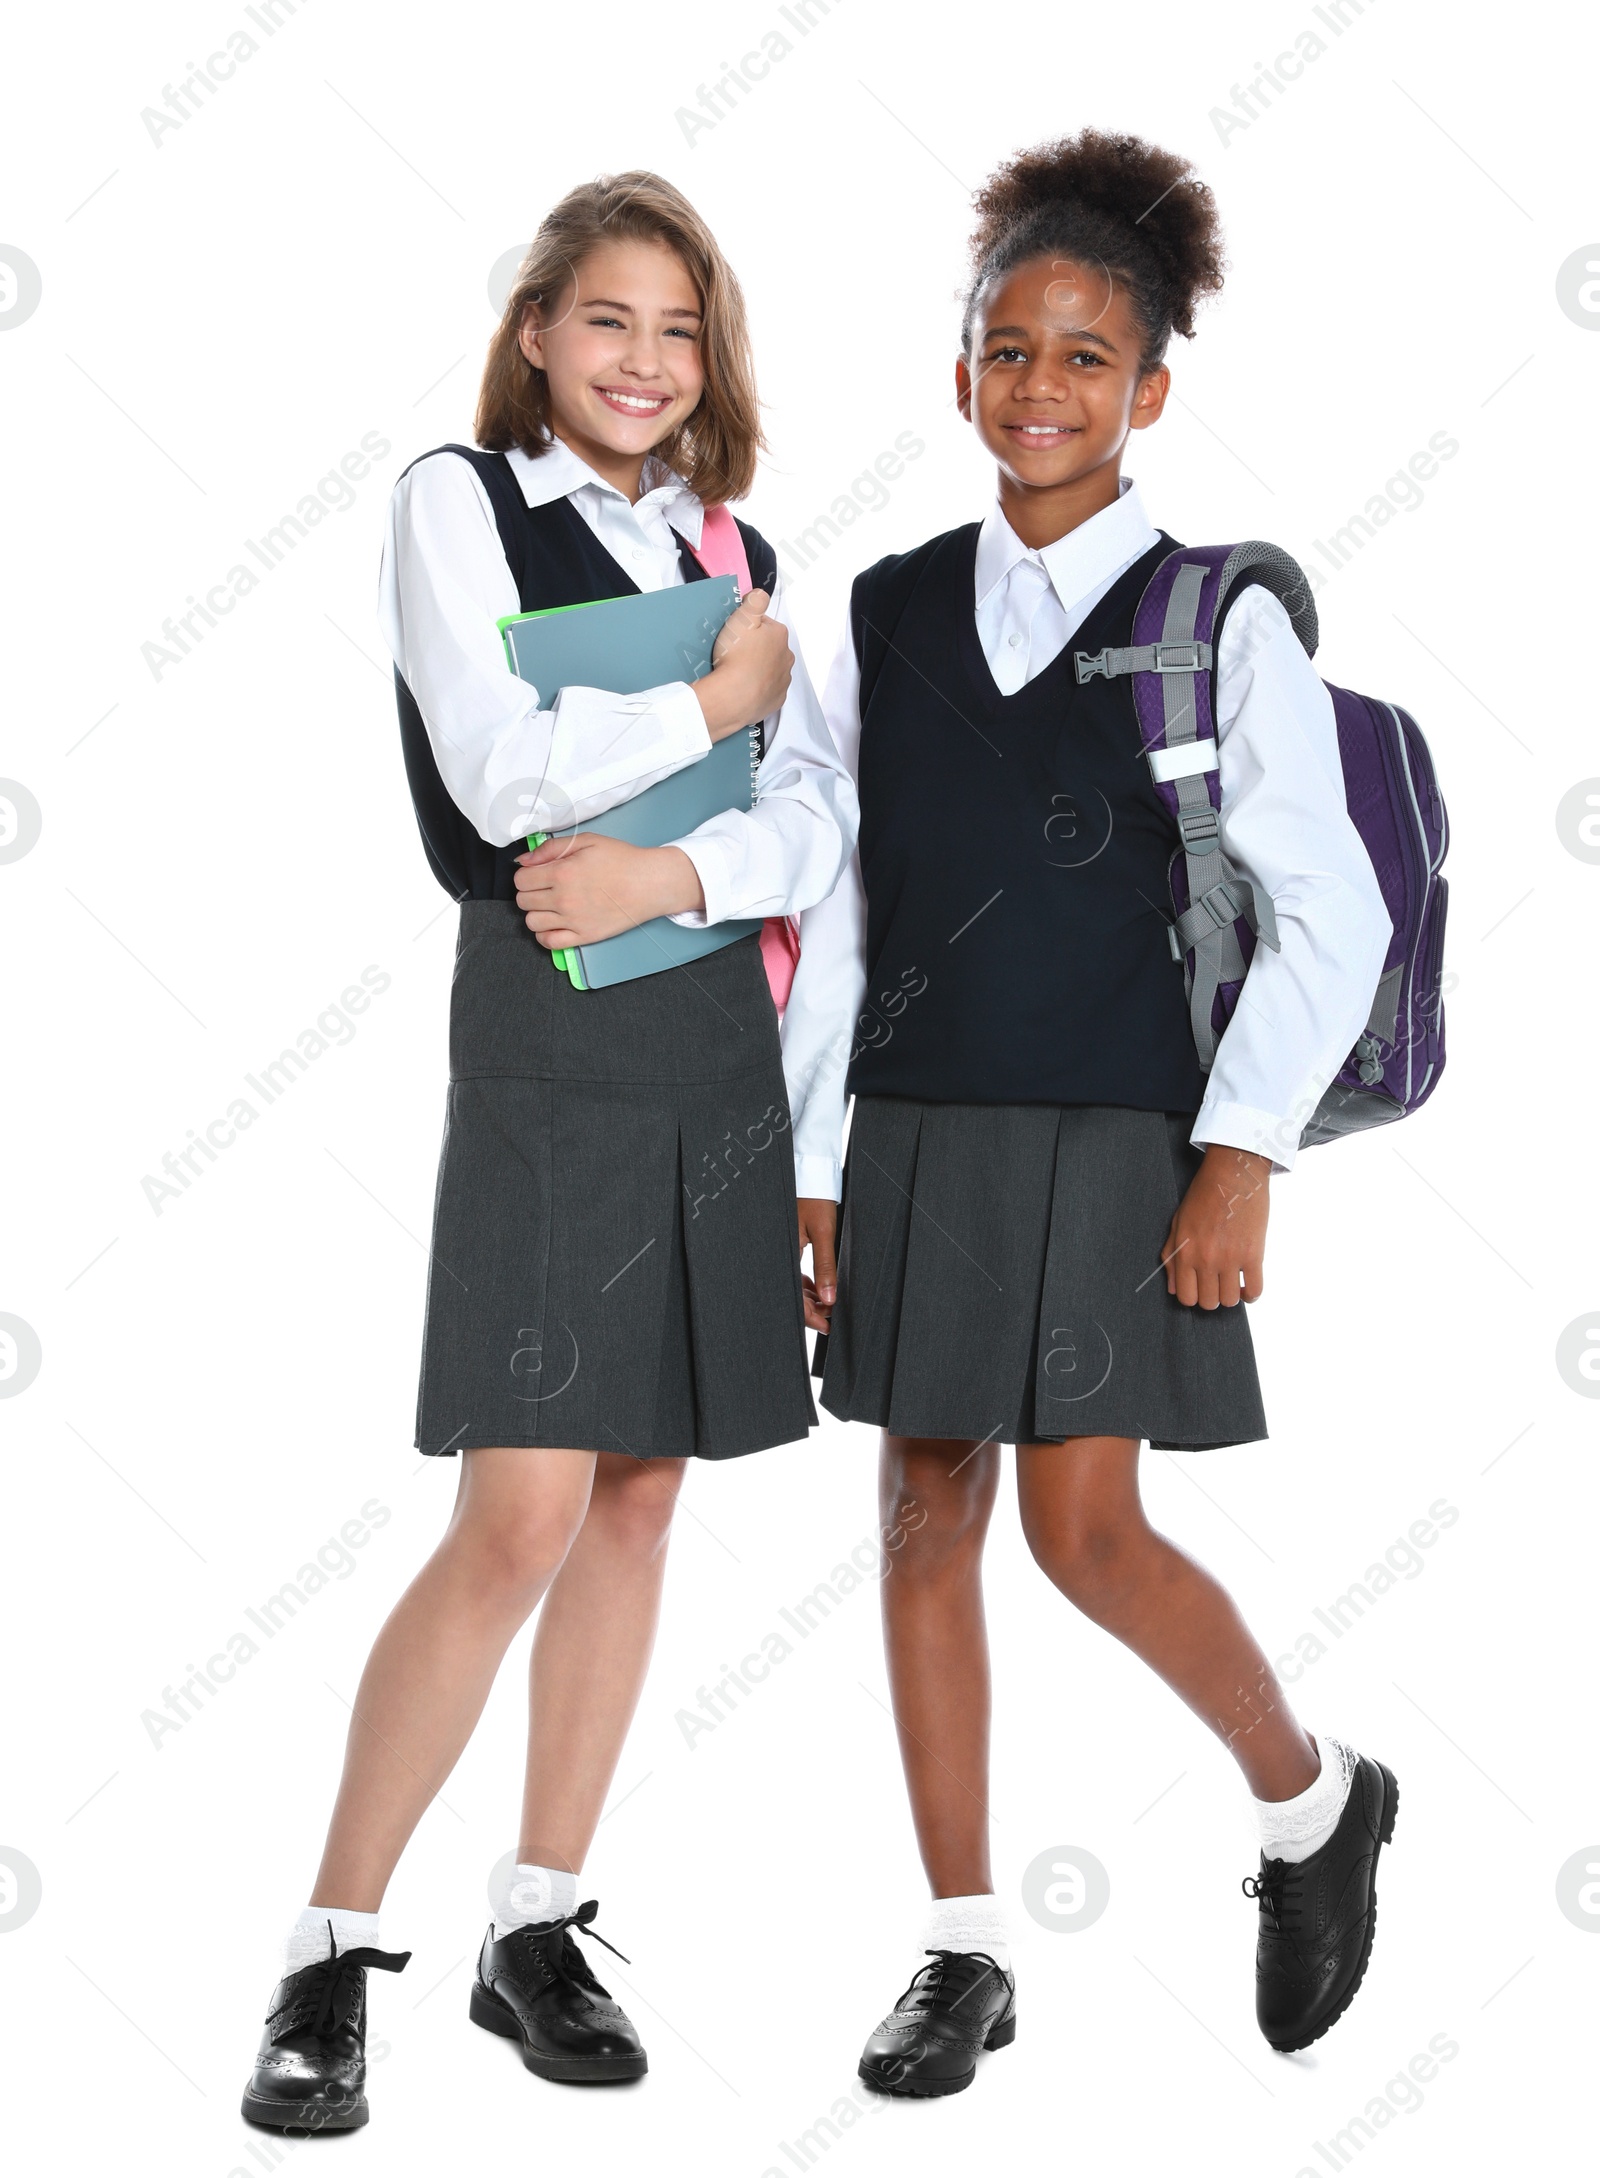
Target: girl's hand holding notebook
739 663
577 891
750 667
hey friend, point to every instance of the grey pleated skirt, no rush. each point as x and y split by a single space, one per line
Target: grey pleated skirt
614 1264
1000 1278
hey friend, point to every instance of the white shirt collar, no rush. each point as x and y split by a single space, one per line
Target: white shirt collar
1077 563
559 472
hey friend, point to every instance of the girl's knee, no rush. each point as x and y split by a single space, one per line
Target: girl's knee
1094 1559
517 1512
514 1561
935 1503
634 1501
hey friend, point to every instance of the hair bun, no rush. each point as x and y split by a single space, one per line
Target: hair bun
1144 212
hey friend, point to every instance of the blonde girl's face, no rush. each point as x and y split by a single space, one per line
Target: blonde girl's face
622 350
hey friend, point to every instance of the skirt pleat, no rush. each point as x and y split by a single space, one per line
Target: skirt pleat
1000 1279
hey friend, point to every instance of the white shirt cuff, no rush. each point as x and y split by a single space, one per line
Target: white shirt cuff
711 866
683 723
1241 1126
818 1176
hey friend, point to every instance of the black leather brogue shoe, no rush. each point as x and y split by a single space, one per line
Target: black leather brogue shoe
311 2068
535 1987
961 2002
1317 1916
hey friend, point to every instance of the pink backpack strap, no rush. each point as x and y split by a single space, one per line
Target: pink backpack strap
721 552
721 548
780 956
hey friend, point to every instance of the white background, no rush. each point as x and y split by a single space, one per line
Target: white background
226 1383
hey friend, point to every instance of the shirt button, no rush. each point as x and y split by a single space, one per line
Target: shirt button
1014 640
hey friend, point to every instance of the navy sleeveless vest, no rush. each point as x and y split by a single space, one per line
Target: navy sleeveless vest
555 559
1015 857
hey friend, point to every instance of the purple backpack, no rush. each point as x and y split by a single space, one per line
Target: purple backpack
1390 792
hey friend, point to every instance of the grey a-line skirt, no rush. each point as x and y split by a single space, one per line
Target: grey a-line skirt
1000 1278
614 1264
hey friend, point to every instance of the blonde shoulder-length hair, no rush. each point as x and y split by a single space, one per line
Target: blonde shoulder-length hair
715 449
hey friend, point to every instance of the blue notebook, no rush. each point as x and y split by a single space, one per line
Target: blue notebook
630 644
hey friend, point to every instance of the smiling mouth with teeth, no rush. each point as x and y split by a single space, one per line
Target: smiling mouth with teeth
645 404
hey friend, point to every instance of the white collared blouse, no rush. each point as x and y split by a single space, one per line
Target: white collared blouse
443 584
1283 822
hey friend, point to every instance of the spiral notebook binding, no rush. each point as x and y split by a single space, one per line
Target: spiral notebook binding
755 759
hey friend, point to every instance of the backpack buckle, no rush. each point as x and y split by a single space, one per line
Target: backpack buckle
1198 828
1220 905
1144 658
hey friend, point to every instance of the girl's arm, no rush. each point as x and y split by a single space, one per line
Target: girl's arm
509 766
825 1002
831 979
1284 823
785 854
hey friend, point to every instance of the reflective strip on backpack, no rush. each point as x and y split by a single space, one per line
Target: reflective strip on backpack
1183 761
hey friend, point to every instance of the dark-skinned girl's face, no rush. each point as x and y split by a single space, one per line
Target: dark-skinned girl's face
1054 383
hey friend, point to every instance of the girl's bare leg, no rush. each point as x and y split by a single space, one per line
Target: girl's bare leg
517 1512
1086 1526
935 1496
591 1653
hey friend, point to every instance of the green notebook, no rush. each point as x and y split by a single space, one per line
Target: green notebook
629 644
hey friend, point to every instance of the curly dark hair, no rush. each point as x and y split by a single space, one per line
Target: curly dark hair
1142 212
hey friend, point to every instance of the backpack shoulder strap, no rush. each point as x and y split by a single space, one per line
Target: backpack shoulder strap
730 547
1177 626
1269 565
721 548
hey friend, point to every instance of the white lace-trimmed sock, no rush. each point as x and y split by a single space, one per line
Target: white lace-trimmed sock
974 1923
1295 1829
527 1893
308 1938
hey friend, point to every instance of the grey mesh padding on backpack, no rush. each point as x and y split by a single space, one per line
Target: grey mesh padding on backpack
1391 794
1273 568
1276 571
